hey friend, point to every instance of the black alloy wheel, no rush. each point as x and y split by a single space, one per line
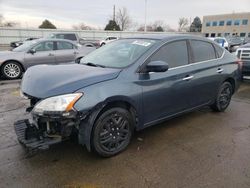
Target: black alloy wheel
223 97
112 132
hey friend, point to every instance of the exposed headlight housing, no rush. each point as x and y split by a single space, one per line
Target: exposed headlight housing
61 104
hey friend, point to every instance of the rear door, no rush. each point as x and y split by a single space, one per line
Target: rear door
206 72
167 93
44 54
65 52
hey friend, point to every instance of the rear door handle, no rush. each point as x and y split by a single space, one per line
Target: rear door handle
50 54
220 70
187 78
76 53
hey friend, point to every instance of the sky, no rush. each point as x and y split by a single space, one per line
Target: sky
66 13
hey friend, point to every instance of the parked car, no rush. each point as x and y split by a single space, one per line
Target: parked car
243 53
107 40
221 41
75 38
128 85
229 43
42 51
19 43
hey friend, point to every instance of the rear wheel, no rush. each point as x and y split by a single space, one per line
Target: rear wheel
223 97
112 132
11 70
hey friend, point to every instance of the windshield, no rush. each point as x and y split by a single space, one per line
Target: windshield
25 46
118 54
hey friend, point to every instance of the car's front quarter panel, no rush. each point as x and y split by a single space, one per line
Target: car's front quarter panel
116 90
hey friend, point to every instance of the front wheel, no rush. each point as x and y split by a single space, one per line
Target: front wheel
223 97
11 70
112 132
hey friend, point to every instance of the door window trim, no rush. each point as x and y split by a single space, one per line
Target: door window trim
189 53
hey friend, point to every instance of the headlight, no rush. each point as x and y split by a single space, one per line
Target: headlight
57 104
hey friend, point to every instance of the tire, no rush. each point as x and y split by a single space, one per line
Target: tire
11 70
223 97
112 132
78 60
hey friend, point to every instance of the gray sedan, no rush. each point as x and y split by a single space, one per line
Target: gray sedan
42 51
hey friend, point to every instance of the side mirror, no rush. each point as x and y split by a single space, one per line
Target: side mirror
32 51
156 66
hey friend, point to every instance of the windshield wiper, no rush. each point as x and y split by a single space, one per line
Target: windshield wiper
94 65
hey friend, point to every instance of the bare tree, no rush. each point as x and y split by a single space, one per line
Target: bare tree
4 23
10 24
82 26
157 26
123 19
183 24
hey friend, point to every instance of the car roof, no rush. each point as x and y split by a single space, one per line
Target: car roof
166 37
55 40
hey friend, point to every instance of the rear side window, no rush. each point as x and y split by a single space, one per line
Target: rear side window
64 45
202 51
219 50
174 53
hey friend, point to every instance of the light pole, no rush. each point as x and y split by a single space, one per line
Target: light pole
145 26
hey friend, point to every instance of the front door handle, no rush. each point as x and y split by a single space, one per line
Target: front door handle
220 70
187 78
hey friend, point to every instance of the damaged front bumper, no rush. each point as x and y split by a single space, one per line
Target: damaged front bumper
33 139
44 131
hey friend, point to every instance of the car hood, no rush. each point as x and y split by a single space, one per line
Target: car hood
44 81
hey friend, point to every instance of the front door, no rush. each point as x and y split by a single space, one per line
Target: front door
43 54
167 93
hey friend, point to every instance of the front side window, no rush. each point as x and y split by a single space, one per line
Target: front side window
215 23
44 46
202 51
64 45
119 54
174 53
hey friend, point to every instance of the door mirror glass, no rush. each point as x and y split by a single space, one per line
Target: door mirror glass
32 51
156 66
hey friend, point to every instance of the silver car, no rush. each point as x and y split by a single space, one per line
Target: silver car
42 51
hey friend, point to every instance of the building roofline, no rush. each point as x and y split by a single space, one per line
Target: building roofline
228 14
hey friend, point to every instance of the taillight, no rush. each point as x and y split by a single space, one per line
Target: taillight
240 64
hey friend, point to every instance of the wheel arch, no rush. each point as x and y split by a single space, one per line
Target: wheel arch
232 82
86 125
